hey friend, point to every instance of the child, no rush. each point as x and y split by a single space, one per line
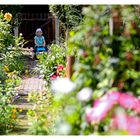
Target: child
39 40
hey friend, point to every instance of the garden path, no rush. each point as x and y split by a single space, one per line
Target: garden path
31 82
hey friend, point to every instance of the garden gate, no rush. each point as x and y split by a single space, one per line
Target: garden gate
30 22
32 17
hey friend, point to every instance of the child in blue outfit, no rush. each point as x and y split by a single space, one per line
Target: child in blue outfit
39 40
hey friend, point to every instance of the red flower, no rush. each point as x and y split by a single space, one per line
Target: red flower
85 54
120 85
54 76
57 74
129 56
60 67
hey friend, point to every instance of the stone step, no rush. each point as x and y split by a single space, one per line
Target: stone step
22 116
18 131
24 106
30 83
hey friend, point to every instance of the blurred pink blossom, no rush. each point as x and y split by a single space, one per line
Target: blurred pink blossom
98 113
104 104
129 102
111 97
133 125
127 123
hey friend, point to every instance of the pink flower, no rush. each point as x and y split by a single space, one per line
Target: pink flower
127 123
133 125
60 67
137 108
102 106
99 112
129 102
111 97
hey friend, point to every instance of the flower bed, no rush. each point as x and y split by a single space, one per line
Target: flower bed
52 65
11 67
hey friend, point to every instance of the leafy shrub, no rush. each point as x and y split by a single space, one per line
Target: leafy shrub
8 113
14 60
45 112
11 66
10 52
6 37
50 62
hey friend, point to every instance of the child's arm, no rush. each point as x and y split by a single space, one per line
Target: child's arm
35 43
44 44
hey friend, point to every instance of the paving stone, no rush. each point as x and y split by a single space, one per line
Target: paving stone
32 84
29 84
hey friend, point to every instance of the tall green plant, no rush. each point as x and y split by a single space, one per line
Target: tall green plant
11 67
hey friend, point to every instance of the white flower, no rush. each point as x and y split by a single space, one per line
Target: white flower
80 52
30 123
53 58
64 129
70 109
114 60
20 34
63 85
85 94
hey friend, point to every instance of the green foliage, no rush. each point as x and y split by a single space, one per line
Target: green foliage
10 47
46 109
97 52
14 60
8 113
44 114
11 67
69 15
6 37
48 62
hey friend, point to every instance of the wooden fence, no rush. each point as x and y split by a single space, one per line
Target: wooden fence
31 21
